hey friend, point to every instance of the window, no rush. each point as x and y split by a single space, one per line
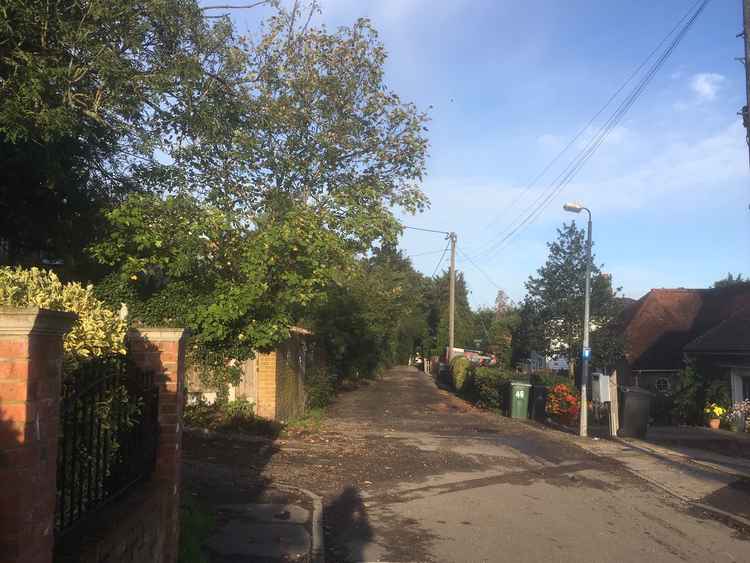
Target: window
662 385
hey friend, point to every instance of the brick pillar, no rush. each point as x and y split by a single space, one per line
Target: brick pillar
267 385
163 350
31 354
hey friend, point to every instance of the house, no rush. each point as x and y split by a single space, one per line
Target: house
723 352
665 325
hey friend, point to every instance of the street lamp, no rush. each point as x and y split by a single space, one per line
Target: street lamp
586 355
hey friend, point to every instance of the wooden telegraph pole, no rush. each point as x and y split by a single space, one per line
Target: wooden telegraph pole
746 40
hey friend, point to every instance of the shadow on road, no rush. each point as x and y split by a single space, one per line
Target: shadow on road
347 527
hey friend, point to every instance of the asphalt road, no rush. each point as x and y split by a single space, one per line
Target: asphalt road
410 473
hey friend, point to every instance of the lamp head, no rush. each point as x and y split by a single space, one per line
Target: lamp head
573 207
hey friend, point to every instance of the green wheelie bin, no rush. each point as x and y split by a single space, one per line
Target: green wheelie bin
519 399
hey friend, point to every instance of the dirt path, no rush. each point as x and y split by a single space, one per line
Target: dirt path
410 473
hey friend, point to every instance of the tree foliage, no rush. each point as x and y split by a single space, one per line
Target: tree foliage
374 316
731 280
555 298
182 262
94 97
229 185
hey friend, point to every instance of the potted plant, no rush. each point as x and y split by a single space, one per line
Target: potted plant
739 415
714 412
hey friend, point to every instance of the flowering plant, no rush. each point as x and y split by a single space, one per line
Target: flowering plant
740 411
715 411
562 403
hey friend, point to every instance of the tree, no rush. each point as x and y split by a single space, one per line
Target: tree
178 261
374 316
503 304
464 329
94 99
731 280
319 128
556 295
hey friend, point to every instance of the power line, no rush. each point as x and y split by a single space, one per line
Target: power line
566 176
593 144
489 279
425 230
441 259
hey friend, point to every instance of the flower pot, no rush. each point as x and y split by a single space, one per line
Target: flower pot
713 423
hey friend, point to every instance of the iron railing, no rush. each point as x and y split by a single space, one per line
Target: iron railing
108 439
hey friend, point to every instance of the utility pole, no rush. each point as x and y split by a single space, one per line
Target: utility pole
584 428
451 286
452 298
746 39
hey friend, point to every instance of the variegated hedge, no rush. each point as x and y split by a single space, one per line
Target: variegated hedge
98 331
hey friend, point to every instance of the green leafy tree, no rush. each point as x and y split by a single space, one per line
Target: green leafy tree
180 261
95 98
556 295
464 330
374 316
319 128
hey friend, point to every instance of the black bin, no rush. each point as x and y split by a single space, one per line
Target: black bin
635 409
538 403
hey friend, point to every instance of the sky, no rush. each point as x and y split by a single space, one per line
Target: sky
511 82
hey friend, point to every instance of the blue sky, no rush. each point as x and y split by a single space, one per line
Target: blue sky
511 82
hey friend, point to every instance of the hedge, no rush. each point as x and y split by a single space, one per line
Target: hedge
461 369
488 386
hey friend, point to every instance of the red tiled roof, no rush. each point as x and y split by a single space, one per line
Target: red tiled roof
660 324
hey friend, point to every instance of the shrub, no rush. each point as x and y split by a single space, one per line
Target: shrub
461 369
98 331
550 378
320 385
232 416
563 404
488 386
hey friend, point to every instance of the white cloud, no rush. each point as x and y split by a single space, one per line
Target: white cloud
680 174
706 85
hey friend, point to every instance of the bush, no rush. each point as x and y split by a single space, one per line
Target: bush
461 369
563 404
320 385
550 378
232 416
488 386
98 331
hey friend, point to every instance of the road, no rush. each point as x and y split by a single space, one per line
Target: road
410 473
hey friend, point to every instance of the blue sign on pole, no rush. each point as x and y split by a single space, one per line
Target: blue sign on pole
586 353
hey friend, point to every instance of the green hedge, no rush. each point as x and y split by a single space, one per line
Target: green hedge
488 386
550 378
461 369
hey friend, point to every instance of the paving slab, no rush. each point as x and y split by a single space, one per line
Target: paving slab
249 539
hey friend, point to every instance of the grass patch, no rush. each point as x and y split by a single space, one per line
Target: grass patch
234 416
196 524
311 421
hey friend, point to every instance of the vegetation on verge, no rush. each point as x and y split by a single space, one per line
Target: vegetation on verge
230 416
196 524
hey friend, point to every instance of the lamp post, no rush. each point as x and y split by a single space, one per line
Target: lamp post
586 353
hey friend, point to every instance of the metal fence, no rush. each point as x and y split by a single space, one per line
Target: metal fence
109 435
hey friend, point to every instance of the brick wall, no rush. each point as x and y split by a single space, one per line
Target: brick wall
30 376
143 525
